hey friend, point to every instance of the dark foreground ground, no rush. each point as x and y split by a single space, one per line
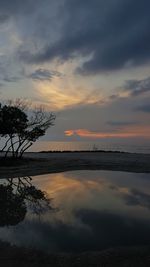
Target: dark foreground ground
119 257
42 163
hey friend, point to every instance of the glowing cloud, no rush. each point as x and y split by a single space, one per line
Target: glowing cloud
64 91
127 133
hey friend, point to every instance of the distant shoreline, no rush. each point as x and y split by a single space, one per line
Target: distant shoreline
82 151
35 163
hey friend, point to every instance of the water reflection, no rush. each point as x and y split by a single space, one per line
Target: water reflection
16 196
97 210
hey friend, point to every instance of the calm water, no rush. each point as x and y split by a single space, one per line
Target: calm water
132 146
92 210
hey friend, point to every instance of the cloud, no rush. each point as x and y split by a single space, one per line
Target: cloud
16 7
114 34
137 87
125 133
3 18
44 75
11 79
8 73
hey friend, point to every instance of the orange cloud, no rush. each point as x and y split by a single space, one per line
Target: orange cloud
128 132
69 132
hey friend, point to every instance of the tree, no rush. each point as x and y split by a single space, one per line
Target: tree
17 196
13 122
21 126
12 206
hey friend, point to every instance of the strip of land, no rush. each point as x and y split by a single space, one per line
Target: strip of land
42 163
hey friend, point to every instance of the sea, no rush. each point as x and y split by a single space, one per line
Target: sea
132 146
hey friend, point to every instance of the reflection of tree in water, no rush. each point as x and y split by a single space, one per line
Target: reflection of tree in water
16 195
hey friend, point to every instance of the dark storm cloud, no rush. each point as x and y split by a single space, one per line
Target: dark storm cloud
44 75
137 87
114 33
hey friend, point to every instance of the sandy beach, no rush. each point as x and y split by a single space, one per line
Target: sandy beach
43 163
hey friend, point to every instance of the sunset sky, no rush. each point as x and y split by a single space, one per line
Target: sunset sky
86 60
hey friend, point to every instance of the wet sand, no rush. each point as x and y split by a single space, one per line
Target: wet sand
43 163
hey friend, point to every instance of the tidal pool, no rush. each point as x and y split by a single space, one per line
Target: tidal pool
78 211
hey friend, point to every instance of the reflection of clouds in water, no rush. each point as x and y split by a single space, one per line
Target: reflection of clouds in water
92 189
57 236
94 212
115 229
121 179
70 193
137 198
132 196
99 230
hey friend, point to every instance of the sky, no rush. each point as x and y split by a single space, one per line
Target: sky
87 61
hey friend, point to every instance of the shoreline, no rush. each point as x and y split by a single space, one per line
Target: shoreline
37 163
